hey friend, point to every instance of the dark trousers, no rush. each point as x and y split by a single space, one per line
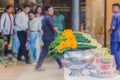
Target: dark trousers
6 46
44 53
22 36
115 50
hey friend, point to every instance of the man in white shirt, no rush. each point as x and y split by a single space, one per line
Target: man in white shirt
21 22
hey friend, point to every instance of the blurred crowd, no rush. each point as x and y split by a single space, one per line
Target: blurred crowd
32 31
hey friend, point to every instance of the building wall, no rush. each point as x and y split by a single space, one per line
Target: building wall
94 15
4 3
95 19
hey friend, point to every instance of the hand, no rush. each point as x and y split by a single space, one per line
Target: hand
41 32
26 30
60 33
14 32
109 31
2 34
28 38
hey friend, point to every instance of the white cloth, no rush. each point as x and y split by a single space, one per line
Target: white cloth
40 18
67 77
6 24
35 24
21 21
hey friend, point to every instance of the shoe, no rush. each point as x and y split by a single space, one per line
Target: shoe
34 63
39 69
28 62
20 60
60 67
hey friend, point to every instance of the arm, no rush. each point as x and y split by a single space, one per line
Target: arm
14 26
113 23
53 26
2 22
111 29
55 29
40 27
28 34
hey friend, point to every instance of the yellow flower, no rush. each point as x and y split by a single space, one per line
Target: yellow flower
106 53
60 51
70 41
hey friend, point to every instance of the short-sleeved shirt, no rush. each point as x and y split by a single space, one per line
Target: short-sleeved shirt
35 25
115 35
47 27
59 21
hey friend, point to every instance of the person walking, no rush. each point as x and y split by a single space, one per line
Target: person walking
39 13
6 26
34 35
21 22
115 34
15 40
49 29
40 16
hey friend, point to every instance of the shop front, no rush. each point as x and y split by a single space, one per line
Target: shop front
94 18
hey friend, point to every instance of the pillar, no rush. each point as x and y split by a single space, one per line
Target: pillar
75 15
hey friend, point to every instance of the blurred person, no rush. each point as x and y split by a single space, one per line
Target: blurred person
39 12
59 21
6 26
40 16
34 35
21 22
15 40
49 29
115 34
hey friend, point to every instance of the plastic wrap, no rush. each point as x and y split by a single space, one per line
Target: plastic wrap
77 57
77 61
107 66
89 62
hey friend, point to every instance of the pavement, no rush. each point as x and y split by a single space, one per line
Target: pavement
12 72
52 72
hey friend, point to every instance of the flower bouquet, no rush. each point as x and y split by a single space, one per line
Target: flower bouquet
67 41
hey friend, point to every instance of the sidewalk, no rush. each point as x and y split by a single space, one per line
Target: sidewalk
27 72
13 72
52 72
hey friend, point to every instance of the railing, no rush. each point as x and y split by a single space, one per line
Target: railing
67 9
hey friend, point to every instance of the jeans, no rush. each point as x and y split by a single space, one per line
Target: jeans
35 45
15 43
44 53
22 36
